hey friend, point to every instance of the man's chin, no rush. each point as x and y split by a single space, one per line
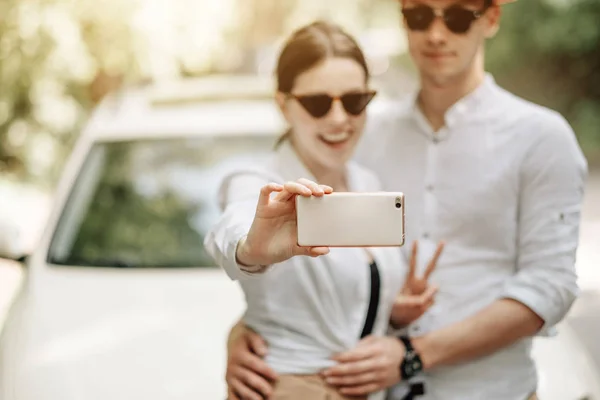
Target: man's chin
439 77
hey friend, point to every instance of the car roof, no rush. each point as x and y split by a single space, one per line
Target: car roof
229 105
199 106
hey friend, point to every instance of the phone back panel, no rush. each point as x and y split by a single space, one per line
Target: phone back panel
347 219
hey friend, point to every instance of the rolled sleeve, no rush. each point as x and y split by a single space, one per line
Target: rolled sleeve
239 196
551 194
221 243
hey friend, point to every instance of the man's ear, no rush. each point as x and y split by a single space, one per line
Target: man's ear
492 19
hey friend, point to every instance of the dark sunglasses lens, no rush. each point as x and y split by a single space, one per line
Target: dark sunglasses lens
418 18
355 103
317 106
459 19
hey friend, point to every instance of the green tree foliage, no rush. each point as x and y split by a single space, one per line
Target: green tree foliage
549 52
57 59
22 49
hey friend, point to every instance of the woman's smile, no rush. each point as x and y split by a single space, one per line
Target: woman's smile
336 139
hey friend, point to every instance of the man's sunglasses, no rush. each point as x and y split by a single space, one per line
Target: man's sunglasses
458 19
318 105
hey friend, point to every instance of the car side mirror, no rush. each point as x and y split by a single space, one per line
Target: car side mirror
12 244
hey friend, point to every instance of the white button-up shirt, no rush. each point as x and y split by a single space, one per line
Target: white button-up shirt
306 308
502 183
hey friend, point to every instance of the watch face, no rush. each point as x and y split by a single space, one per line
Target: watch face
416 365
412 364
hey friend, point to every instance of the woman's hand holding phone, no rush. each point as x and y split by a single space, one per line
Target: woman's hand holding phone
273 236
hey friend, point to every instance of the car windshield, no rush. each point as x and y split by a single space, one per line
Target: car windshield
148 203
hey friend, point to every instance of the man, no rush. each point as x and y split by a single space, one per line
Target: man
501 180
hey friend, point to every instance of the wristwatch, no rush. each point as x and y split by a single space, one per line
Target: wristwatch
411 364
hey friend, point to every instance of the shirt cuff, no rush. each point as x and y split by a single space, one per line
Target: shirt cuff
234 269
395 332
551 312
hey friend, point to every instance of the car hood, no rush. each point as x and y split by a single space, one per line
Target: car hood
98 333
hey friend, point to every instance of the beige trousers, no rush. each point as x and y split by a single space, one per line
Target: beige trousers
304 387
301 387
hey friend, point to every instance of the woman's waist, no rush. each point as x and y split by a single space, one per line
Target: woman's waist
295 362
309 334
303 345
314 328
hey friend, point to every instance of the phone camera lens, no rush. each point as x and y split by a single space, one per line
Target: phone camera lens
398 202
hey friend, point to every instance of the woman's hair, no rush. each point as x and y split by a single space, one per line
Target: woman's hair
310 45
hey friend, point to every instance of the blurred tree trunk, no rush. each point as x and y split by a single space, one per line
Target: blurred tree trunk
103 84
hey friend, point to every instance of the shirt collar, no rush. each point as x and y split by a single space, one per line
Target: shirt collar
470 106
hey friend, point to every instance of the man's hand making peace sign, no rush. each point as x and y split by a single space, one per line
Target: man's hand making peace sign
417 295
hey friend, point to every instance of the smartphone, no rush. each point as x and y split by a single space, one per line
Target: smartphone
349 219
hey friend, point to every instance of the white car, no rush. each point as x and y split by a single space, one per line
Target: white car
120 301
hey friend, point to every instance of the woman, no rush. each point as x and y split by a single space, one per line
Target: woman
309 308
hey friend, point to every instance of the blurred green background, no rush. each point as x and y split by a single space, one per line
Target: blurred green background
58 58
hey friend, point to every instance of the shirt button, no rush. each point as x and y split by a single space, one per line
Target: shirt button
426 235
436 140
415 329
429 188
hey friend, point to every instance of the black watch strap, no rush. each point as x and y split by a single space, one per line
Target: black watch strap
411 364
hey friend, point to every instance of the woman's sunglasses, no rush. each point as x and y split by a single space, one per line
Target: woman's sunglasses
458 19
318 105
